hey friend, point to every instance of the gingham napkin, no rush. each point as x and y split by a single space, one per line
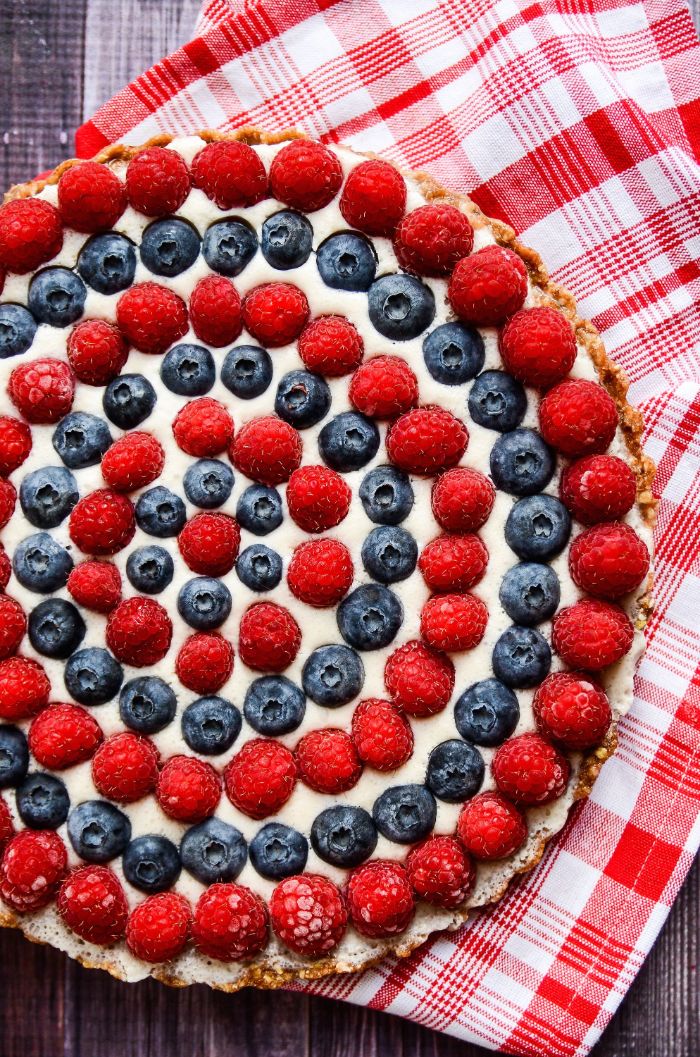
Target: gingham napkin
578 121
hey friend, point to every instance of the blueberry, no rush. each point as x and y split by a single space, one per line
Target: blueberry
333 675
128 400
405 814
344 835
346 261
92 676
208 483
386 495
259 568
369 617
17 330
150 569
151 863
389 554
228 246
98 831
521 462
160 512
14 756
455 771
530 593
48 495
538 528
487 712
521 657
188 370
497 401
210 725
169 246
278 851
147 704
107 263
274 705
204 603
43 801
259 509
287 238
453 353
56 628
247 371
56 296
303 399
81 439
349 441
212 851
41 564
401 307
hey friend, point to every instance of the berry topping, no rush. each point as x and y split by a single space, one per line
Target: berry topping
42 390
230 922
63 735
102 523
344 835
489 286
440 872
386 495
151 863
328 761
497 401
151 317
125 767
530 593
318 498
529 770
92 676
56 296
275 313
453 563
572 710
347 262
419 679
133 461
432 239
462 500
578 417
598 488
24 688
139 631
521 463
287 240
213 851
96 351
98 831
490 827
204 662
331 346
268 637
95 585
538 346
14 756
56 628
261 777
215 311
333 675
370 617
592 634
7 828
209 543
90 197
93 905
157 181
15 443
305 175
169 247
303 399
453 622
13 624
231 174
384 387
389 554
188 789
30 234
521 657
32 868
380 900
267 450
203 428
320 572
158 928
382 734
538 527
107 263
374 198
348 442
308 914
405 814
400 306
426 440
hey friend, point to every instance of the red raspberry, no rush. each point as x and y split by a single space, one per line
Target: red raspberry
188 789
205 662
151 317
215 311
5 568
374 198
15 443
572 710
419 679
305 175
268 637
63 735
133 461
426 440
318 498
529 770
139 632
432 239
125 767
308 914
489 286
157 181
261 777
230 922
384 387
95 585
328 761
24 688
13 624
267 450
331 345
382 734
453 563
598 488
90 197
42 390
158 928
92 903
453 622
320 572
231 174
440 872
102 523
8 500
578 417
209 544
32 869
203 428
380 899
592 634
490 827
538 346
608 560
275 313
96 351
7 828
30 234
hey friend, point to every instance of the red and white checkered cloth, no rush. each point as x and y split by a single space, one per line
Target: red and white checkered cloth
578 121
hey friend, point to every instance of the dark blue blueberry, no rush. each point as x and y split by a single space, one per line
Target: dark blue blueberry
188 370
386 495
208 483
48 495
259 568
369 617
405 814
92 676
521 657
81 439
247 371
259 510
497 401
107 263
487 713
56 296
14 756
212 851
41 564
17 330
204 603
160 512
389 554
530 593
521 462
128 400
401 307
303 399
538 528
274 705
56 628
210 725
147 704
455 771
287 238
151 863
347 261
43 801
150 569
333 675
228 246
344 835
278 851
453 353
98 831
349 441
169 246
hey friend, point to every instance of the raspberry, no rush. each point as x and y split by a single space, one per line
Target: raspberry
5 568
102 523
489 286
7 828
318 498
42 390
96 351
331 345
453 563
320 572
608 560
95 585
431 240
203 428
13 624
158 928
382 734
419 679
261 777
453 622
24 688
529 770
139 632
215 311
267 450
328 761
308 914
133 461
490 827
63 735
188 789
275 313
598 488
231 174
30 234
15 443
268 637
578 418
157 182
305 175
151 317
384 387
572 710
380 900
125 767
230 922
426 440
440 872
538 346
8 500
90 197
204 663
592 634
32 869
374 198
209 544
92 903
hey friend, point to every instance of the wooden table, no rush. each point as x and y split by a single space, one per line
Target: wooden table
59 59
